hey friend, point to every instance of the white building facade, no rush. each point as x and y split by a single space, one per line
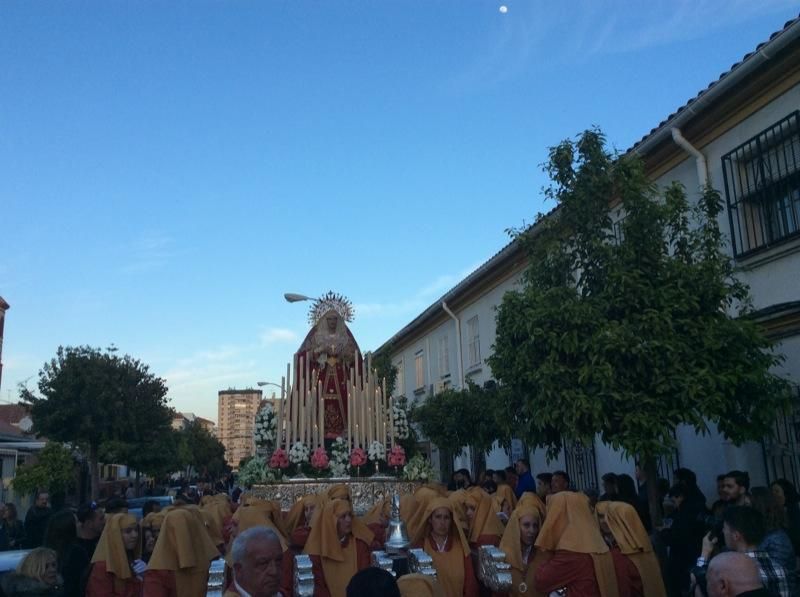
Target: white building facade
741 135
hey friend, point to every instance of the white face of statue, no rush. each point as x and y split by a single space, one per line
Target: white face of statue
331 322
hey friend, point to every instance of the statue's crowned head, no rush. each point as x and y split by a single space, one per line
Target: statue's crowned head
331 301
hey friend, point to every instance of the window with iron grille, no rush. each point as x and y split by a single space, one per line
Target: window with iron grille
400 384
474 339
444 356
419 370
762 185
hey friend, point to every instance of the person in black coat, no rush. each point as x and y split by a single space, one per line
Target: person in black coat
683 534
36 520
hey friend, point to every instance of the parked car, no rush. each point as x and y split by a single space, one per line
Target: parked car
135 505
9 560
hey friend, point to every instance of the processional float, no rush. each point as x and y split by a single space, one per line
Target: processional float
332 391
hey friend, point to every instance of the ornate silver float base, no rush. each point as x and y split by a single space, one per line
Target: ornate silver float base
365 492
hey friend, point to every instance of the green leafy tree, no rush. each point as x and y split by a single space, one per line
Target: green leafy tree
53 471
628 331
90 397
154 453
202 451
457 419
385 369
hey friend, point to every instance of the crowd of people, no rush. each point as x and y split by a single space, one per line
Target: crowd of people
557 541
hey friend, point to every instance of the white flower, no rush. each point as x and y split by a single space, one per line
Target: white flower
340 458
400 422
418 469
265 430
377 451
298 453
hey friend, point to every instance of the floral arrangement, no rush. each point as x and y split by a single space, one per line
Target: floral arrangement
397 456
319 459
358 457
339 458
377 451
266 427
255 471
418 469
400 422
279 459
298 453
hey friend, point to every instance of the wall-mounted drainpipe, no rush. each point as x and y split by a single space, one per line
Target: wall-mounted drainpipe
700 159
458 344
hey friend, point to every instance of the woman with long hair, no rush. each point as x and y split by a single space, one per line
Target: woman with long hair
518 543
776 542
635 562
35 576
443 539
117 570
338 546
787 497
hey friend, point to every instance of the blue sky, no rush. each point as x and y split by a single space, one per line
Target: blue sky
169 169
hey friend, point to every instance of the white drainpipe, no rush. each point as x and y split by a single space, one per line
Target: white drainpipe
700 159
458 344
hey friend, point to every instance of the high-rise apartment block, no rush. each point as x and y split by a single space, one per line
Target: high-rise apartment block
236 421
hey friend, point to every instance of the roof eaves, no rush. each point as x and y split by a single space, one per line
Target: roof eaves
735 74
495 260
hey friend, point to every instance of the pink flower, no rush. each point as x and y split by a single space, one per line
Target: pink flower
397 456
279 459
319 458
358 457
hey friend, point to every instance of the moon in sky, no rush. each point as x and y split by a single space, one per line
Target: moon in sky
504 9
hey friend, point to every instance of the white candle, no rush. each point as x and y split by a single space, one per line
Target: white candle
349 415
391 420
302 395
296 400
321 401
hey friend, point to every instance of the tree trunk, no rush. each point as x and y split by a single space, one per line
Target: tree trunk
651 470
94 470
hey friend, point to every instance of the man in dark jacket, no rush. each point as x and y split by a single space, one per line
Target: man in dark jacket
36 520
525 481
683 533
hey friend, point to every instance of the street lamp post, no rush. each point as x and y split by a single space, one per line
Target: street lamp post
261 384
293 297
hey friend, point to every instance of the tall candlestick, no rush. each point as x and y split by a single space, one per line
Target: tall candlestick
391 420
302 393
321 401
312 416
349 415
369 424
370 398
287 417
379 417
296 399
